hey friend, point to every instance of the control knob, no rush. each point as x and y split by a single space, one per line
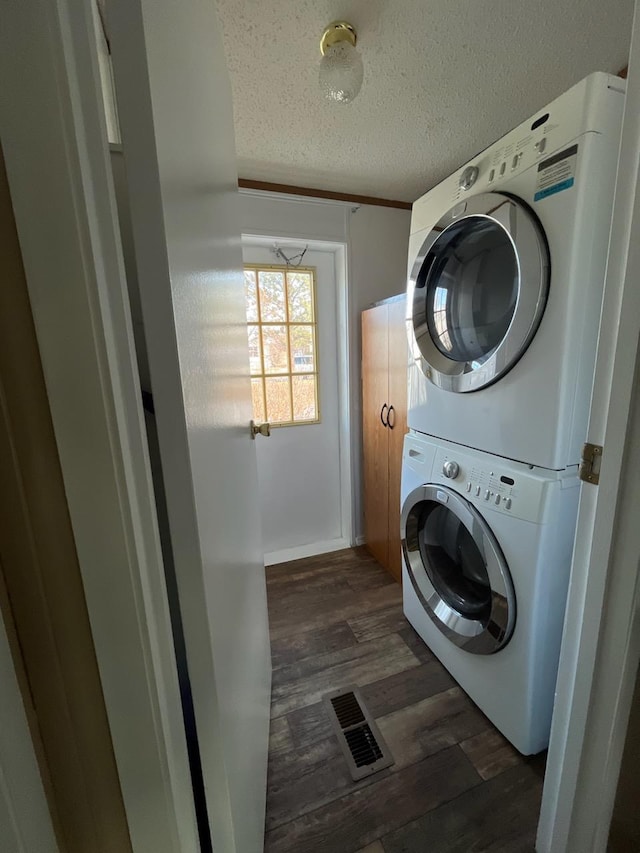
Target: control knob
451 470
469 177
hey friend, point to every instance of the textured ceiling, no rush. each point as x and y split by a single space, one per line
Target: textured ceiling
443 79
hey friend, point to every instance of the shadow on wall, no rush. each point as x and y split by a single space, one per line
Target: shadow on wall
624 834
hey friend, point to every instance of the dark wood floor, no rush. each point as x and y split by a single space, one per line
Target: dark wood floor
456 784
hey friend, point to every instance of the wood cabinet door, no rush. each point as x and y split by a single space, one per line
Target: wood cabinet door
398 356
375 349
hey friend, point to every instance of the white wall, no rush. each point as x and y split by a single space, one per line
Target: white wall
106 77
377 241
378 247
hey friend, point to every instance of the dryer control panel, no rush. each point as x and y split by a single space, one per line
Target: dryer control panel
592 106
500 163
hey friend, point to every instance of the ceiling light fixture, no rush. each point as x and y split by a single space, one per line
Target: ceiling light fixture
341 70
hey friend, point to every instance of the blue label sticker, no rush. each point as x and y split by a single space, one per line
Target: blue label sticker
556 173
556 188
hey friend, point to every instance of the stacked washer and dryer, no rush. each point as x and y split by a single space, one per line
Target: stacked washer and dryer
506 270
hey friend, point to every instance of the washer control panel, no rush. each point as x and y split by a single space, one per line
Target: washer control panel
492 486
499 485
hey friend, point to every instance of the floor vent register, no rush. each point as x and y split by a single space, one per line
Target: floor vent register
360 740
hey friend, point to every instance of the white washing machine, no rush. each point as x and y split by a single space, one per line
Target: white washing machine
487 547
506 270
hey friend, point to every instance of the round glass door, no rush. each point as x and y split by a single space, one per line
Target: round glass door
457 569
477 292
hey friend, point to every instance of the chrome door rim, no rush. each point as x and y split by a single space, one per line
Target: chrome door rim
475 636
532 258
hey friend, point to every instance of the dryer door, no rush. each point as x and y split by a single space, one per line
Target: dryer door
477 292
457 569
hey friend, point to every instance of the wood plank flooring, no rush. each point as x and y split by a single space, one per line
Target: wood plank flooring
456 784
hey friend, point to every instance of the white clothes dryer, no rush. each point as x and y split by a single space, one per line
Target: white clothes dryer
506 271
487 546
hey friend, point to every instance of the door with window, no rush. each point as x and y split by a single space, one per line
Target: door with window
293 349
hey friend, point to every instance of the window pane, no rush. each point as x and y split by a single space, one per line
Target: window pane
271 296
300 297
302 360
257 395
251 296
282 339
255 359
278 399
276 351
304 398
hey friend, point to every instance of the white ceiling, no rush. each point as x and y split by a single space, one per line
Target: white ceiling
443 79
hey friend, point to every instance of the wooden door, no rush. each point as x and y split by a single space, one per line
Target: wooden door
398 355
375 348
175 111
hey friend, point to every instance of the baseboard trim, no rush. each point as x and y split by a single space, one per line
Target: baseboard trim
302 551
360 540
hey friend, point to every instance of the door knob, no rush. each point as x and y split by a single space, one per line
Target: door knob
259 429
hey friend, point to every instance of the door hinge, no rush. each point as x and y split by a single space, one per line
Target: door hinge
589 471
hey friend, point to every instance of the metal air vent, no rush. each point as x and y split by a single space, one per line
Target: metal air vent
360 740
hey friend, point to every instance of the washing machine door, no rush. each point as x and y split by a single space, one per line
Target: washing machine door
457 569
477 292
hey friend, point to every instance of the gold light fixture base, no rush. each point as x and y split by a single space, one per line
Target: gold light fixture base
336 32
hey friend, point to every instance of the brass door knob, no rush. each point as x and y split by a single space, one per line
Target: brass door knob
259 429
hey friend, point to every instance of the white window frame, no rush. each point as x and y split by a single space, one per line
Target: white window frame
260 323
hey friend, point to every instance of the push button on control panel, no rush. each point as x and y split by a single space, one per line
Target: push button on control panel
492 488
503 169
